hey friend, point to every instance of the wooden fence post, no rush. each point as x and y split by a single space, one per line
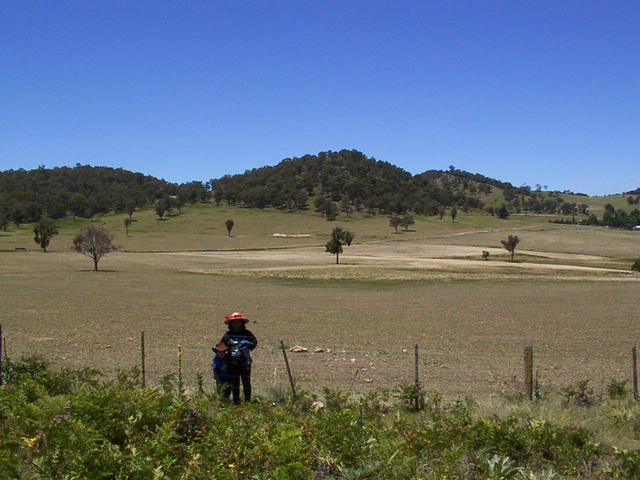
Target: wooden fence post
528 371
417 378
634 360
144 372
286 361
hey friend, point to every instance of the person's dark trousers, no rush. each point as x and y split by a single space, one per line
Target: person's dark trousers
239 374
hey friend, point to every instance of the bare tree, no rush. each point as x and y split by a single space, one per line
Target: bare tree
127 224
44 230
94 242
510 244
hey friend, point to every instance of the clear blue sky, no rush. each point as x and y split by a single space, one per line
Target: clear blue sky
541 92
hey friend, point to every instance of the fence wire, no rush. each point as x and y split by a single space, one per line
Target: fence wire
449 371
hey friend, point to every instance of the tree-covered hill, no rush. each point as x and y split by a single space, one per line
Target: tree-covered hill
329 182
351 180
84 191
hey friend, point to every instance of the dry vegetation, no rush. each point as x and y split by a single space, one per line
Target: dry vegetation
569 297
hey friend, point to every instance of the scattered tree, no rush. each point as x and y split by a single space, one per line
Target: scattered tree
79 204
94 242
510 244
503 213
229 225
485 255
178 202
4 222
406 221
127 224
339 237
441 212
301 199
161 207
345 206
454 213
395 222
331 211
44 230
130 207
18 215
636 266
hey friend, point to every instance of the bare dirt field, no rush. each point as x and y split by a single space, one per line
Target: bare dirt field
471 318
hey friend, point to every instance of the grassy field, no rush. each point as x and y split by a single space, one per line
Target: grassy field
571 296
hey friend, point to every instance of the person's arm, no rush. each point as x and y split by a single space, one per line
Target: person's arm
253 340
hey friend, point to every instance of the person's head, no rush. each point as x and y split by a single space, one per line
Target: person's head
235 321
236 325
220 349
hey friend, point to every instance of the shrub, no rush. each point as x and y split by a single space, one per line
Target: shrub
57 423
617 390
579 395
636 266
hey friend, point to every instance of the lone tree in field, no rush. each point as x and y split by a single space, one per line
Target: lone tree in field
454 213
95 242
395 222
510 244
127 224
406 221
339 237
44 230
229 225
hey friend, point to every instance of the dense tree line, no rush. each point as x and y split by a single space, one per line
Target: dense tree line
350 180
330 183
619 218
84 191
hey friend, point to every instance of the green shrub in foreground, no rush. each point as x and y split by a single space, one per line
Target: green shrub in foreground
67 424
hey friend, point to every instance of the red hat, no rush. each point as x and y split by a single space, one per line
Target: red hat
235 316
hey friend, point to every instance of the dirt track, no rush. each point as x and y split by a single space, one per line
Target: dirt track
396 255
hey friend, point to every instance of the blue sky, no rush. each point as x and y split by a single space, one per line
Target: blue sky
529 92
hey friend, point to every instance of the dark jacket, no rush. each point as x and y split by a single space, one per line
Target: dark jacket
239 344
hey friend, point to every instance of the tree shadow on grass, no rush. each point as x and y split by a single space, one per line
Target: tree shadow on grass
91 270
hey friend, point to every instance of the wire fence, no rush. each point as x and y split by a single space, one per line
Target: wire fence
453 372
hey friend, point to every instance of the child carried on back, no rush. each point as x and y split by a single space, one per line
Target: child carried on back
220 367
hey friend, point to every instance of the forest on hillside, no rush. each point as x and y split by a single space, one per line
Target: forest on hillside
330 182
84 191
350 180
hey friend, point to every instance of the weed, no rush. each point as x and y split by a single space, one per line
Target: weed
617 390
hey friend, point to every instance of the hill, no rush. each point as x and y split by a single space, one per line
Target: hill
331 182
357 182
350 181
83 191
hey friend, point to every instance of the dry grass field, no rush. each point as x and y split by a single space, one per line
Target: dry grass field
570 295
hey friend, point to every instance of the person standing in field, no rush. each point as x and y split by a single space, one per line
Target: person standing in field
240 342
